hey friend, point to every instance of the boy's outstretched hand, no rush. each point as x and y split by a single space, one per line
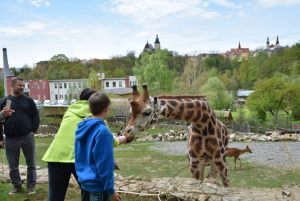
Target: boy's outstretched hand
124 137
116 197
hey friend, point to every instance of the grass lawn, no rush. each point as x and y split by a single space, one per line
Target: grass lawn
139 160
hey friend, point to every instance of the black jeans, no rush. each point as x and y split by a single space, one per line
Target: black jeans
13 148
59 176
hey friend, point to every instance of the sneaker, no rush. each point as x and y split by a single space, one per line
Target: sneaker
15 190
30 190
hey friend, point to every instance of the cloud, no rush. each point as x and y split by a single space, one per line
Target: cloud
154 11
35 28
39 3
25 29
273 3
226 3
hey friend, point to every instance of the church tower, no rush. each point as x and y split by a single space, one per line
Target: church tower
157 43
277 40
268 43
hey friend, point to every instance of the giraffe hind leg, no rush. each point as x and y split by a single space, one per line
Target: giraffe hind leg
222 169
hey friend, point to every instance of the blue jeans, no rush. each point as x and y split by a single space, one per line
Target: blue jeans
99 197
59 176
13 148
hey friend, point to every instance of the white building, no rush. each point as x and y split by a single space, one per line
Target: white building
66 89
118 85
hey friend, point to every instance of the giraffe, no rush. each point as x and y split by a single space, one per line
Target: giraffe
208 137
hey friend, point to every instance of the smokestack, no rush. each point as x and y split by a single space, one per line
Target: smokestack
6 69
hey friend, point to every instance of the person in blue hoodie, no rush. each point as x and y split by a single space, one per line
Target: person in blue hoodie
94 155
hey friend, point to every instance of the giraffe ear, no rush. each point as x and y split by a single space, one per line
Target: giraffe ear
135 93
146 95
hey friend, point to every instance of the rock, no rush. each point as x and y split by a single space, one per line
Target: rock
171 138
286 193
203 197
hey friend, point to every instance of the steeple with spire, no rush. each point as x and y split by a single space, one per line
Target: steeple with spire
277 40
157 43
149 48
239 45
268 43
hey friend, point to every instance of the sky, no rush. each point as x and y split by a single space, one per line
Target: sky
36 30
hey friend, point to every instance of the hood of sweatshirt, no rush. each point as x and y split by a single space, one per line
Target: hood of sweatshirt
87 127
80 108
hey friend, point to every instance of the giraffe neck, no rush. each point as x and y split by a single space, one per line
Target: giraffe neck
188 108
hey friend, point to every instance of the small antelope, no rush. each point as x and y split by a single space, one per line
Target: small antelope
236 152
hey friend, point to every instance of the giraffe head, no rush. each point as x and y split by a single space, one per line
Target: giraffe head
143 112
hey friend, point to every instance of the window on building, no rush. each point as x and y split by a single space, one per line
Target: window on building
69 85
74 84
120 83
65 85
106 84
60 85
79 84
66 96
114 84
56 97
55 85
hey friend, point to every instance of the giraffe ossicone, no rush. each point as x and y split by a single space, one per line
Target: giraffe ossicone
208 136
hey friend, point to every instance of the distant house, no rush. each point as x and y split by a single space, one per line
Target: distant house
242 96
39 89
118 85
66 89
238 53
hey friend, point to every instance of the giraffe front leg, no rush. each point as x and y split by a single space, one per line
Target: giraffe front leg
196 168
222 169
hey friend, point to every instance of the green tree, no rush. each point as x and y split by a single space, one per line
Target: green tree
273 95
154 70
93 81
193 76
216 94
60 58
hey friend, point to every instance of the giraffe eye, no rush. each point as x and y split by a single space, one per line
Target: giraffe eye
147 113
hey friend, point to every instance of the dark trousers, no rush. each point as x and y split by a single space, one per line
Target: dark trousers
59 176
13 148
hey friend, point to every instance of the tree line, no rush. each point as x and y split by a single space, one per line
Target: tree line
275 77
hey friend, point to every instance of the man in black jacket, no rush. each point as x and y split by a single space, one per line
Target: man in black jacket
19 130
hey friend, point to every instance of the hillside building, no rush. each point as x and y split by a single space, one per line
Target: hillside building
238 53
149 48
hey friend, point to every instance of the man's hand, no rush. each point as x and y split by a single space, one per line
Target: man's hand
2 144
116 197
7 112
